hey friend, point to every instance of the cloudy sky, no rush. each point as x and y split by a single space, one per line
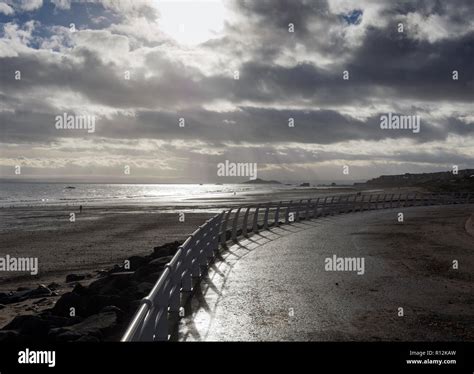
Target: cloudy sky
137 67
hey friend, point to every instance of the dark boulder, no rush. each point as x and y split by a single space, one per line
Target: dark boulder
154 266
54 286
168 249
40 291
95 303
36 326
95 326
66 302
25 294
112 284
75 277
136 262
119 312
10 336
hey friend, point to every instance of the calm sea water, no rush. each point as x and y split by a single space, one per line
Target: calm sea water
36 194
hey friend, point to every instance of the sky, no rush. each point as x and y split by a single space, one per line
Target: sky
237 72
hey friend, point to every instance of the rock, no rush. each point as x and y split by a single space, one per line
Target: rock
102 272
41 301
36 326
116 269
94 326
154 266
168 249
63 335
75 277
40 291
136 262
112 284
145 287
80 289
18 296
2 306
9 336
153 277
3 297
65 302
88 339
119 312
95 303
54 286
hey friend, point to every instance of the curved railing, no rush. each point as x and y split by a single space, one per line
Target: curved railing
150 322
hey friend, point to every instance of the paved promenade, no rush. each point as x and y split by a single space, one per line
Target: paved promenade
275 286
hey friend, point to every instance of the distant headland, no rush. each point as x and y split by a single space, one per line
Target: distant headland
261 181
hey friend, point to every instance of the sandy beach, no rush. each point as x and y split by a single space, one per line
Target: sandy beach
99 238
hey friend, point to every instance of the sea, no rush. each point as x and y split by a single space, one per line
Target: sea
13 194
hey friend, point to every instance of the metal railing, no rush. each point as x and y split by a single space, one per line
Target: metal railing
150 322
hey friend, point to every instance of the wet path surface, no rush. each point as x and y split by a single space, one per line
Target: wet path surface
274 286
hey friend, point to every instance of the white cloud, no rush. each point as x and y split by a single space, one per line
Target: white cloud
435 27
6 9
30 5
62 4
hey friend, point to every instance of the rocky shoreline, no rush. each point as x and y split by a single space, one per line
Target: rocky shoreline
99 311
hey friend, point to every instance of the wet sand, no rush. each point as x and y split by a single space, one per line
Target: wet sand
99 238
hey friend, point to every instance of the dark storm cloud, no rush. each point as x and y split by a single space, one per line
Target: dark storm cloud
280 13
247 124
281 74
319 127
415 69
104 83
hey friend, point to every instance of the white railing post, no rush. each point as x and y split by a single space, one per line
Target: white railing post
323 208
265 217
306 213
431 199
255 219
361 205
297 214
217 227
160 309
187 282
348 204
288 208
351 207
234 226
224 227
195 272
338 204
175 288
331 205
391 201
315 209
277 215
245 223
